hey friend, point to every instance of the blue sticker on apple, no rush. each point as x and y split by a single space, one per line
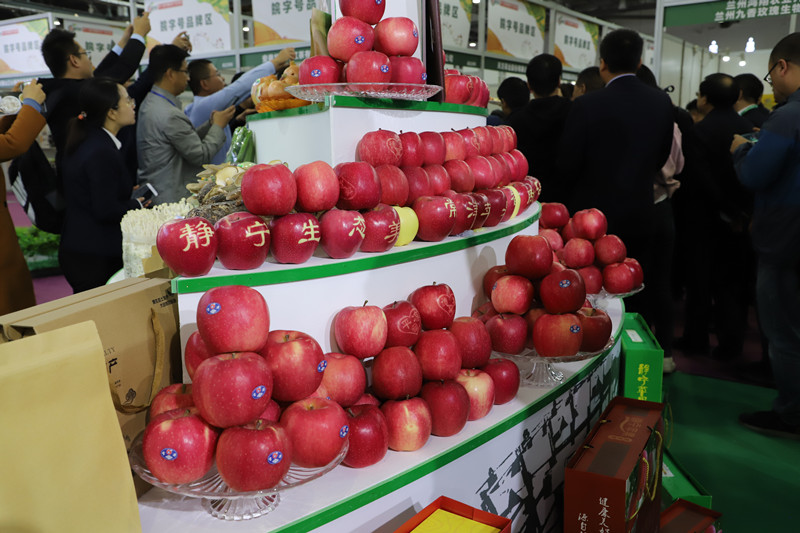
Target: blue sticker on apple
258 392
344 431
213 308
574 329
416 34
322 366
384 68
378 2
316 73
275 457
169 454
564 283
424 76
359 39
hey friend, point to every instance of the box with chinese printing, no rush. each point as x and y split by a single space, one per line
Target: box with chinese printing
677 484
612 484
686 517
642 361
445 515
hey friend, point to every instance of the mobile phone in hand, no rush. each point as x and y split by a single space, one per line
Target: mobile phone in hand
144 190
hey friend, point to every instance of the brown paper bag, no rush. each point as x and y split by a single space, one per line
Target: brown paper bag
64 462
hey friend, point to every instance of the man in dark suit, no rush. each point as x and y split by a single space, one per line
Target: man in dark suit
749 103
615 142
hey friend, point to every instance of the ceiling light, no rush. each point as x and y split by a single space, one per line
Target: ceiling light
750 46
742 63
726 58
476 1
473 45
713 47
56 22
245 28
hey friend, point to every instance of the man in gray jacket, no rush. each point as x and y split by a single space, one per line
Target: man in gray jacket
171 150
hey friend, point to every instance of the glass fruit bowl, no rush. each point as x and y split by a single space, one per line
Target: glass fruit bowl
219 499
399 91
605 295
538 371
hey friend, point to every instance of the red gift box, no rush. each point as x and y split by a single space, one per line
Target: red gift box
461 509
613 481
687 517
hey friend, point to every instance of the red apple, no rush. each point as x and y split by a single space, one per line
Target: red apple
396 374
522 163
233 318
381 147
473 340
409 422
457 88
439 179
360 331
536 185
554 216
590 224
596 328
531 317
344 378
382 228
508 333
295 237
609 249
461 176
178 446
348 36
255 456
472 143
272 413
618 278
368 399
506 378
529 256
394 185
501 171
496 135
578 253
513 203
188 246
369 436
436 304
480 388
636 270
491 277
512 294
242 241
319 69
562 292
359 185
449 405
466 211
433 147
568 231
419 183
296 362
367 67
485 140
454 146
370 11
439 354
436 215
484 209
407 69
592 279
342 232
317 187
497 206
404 324
195 352
269 189
413 151
396 36
482 172
318 429
177 396
232 389
557 335
553 237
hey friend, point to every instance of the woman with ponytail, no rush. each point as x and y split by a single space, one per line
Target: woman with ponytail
97 186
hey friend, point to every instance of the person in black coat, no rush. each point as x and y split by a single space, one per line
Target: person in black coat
749 103
98 187
615 142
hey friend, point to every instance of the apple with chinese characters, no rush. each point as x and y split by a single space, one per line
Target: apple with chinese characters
295 237
242 241
187 246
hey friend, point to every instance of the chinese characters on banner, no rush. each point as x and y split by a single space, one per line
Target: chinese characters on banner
515 28
284 21
205 21
21 46
649 55
96 39
456 18
754 9
576 41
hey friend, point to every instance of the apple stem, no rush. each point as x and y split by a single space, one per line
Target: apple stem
286 338
259 423
365 303
350 412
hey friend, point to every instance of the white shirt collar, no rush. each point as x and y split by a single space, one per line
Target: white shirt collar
117 142
612 80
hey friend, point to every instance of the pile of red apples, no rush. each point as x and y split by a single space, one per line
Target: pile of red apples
432 184
364 47
464 89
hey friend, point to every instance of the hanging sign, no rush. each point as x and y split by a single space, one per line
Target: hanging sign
282 22
728 11
21 45
96 38
206 22
456 19
576 41
515 28
649 54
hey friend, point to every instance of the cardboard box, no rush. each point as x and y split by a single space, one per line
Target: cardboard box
460 509
642 371
613 482
687 517
679 484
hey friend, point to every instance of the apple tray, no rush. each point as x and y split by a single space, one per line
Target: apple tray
219 499
538 371
605 295
399 91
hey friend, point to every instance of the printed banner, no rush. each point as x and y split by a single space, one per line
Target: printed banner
728 11
21 44
576 41
206 22
282 22
515 28
456 18
649 54
97 39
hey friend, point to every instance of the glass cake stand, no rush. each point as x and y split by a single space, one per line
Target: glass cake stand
538 371
219 499
398 91
604 295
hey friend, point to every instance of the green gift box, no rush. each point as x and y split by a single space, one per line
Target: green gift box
642 361
677 484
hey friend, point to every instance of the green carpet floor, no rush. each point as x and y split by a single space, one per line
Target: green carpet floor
754 480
